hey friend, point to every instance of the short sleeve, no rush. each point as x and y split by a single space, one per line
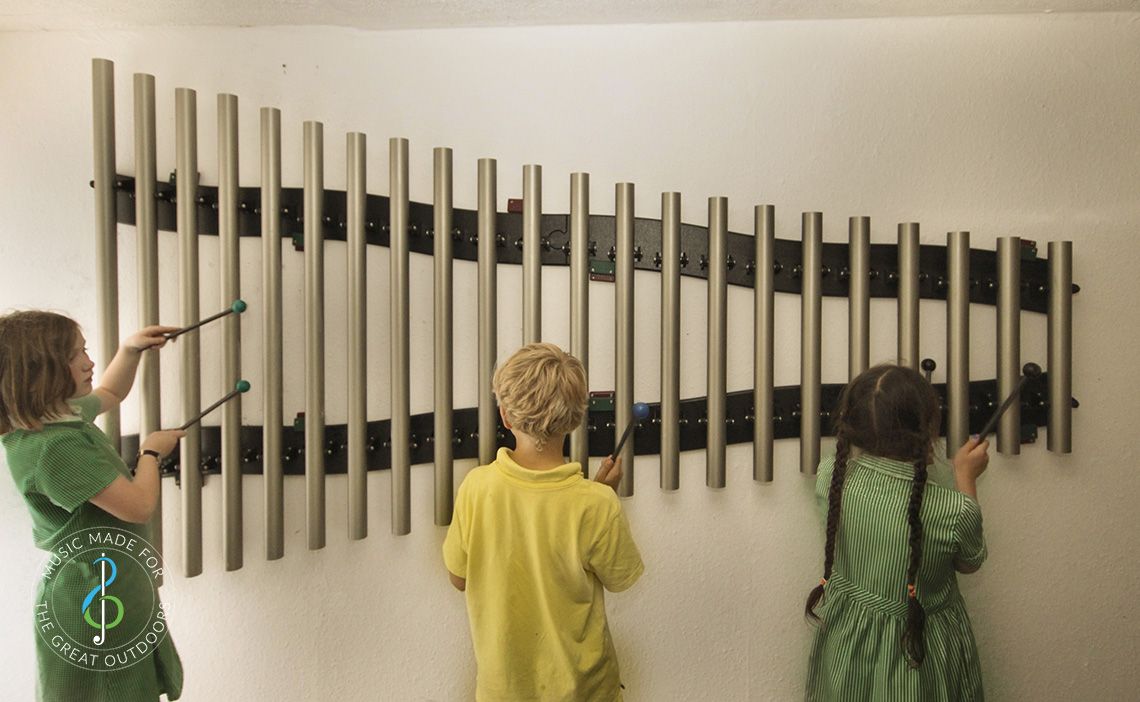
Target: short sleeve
823 483
614 557
971 541
72 470
88 406
455 544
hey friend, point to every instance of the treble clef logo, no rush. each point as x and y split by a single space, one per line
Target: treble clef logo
100 591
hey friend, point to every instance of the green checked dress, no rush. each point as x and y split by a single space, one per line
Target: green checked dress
57 470
857 654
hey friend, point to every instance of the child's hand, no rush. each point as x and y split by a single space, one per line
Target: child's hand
609 473
163 441
148 338
972 459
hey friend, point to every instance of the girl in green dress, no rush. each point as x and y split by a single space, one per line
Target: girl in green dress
84 502
892 624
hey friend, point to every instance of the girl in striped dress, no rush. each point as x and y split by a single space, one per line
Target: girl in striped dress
892 623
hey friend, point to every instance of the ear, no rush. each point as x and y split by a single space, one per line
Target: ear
503 416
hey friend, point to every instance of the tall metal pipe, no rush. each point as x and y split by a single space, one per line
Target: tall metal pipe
106 225
717 342
670 341
271 353
231 329
399 295
859 296
190 367
764 335
580 301
908 295
957 340
810 342
623 330
1009 341
314 196
1060 355
488 306
444 396
532 254
356 145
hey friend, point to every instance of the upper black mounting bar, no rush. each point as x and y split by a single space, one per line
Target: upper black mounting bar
647 244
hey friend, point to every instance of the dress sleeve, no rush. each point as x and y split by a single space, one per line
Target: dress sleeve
614 557
72 470
823 484
88 406
971 540
455 544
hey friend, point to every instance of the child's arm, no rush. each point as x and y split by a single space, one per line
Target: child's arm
609 473
457 582
134 500
969 463
117 380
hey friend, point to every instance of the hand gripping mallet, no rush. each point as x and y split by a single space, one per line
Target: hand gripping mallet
237 307
1030 370
640 412
239 388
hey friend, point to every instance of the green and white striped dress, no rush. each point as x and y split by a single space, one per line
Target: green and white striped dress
857 654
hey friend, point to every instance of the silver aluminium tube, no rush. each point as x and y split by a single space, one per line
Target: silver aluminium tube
356 158
398 281
810 343
271 359
859 296
1060 355
488 325
670 341
957 341
908 295
623 330
106 225
231 329
580 302
314 189
444 396
763 390
532 254
717 341
1009 341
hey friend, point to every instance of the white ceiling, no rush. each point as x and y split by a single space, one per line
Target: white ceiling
33 15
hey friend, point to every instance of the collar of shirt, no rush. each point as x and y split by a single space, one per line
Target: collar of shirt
561 476
887 466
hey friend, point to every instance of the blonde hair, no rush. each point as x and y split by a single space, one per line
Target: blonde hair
35 375
542 391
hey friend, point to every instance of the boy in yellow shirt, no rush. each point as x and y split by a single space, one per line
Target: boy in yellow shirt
532 544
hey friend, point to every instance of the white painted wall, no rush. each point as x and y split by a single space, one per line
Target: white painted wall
1021 125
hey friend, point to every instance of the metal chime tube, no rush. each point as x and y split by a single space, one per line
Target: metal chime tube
957 341
356 145
271 358
859 296
908 295
401 397
717 341
190 367
1009 341
580 301
810 344
146 227
442 215
532 254
623 332
763 390
231 328
314 196
670 341
488 324
106 225
1060 355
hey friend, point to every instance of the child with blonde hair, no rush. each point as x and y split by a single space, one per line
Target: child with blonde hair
534 545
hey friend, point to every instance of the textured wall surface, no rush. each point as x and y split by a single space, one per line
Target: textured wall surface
1021 125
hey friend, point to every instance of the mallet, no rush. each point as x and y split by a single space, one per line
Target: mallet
1029 370
239 388
928 366
237 307
640 412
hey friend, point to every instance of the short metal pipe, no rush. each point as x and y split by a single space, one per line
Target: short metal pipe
810 344
717 342
532 254
231 329
670 341
398 294
189 348
908 295
623 329
763 344
1009 341
106 225
1060 354
580 302
271 322
859 296
957 340
314 198
444 395
356 158
488 306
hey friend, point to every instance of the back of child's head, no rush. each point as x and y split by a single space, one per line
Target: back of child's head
542 391
893 412
35 376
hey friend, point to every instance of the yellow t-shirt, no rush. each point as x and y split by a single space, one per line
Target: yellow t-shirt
536 548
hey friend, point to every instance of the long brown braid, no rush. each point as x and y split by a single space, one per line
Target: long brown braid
892 412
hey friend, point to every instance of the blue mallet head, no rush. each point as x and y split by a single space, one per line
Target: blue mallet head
640 411
238 307
242 386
